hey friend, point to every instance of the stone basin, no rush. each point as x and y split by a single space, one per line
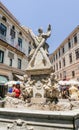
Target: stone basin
39 120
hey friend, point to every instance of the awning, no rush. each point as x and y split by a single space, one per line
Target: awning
3 79
20 77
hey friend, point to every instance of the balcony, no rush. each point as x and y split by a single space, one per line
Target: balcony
18 47
12 42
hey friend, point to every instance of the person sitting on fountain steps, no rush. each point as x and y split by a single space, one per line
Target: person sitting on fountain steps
17 91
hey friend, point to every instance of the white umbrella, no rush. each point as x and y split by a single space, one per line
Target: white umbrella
10 83
61 82
73 82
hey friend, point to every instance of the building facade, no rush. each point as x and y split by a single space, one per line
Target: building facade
65 59
15 44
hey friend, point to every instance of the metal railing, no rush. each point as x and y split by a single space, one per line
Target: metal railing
2 37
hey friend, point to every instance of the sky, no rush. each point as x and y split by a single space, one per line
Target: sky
63 15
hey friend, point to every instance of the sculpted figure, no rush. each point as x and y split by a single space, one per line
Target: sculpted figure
39 41
51 80
19 125
73 92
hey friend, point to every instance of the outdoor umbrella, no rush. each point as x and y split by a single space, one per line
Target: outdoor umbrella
10 83
73 82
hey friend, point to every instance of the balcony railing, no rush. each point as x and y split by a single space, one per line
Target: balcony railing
18 47
2 37
12 42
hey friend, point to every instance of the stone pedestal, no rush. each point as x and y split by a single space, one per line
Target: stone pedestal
39 66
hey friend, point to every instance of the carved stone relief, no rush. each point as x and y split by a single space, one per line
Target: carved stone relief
19 125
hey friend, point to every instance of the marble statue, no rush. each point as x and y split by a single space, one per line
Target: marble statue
40 68
40 39
39 58
73 93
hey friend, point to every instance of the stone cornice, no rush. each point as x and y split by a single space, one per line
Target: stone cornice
12 69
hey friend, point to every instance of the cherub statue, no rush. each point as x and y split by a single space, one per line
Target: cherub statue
51 80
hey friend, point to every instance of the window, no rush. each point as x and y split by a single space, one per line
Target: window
10 62
1 56
29 50
19 63
13 27
56 66
60 75
63 50
51 60
77 53
75 38
69 44
20 33
70 57
59 64
64 62
59 53
4 18
57 76
56 56
12 32
20 43
73 74
64 74
3 29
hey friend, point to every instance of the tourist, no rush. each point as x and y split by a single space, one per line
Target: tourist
11 91
17 90
12 88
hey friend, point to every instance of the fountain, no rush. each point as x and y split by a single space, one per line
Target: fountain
42 90
39 68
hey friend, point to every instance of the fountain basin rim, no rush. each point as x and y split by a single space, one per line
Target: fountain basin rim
41 112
